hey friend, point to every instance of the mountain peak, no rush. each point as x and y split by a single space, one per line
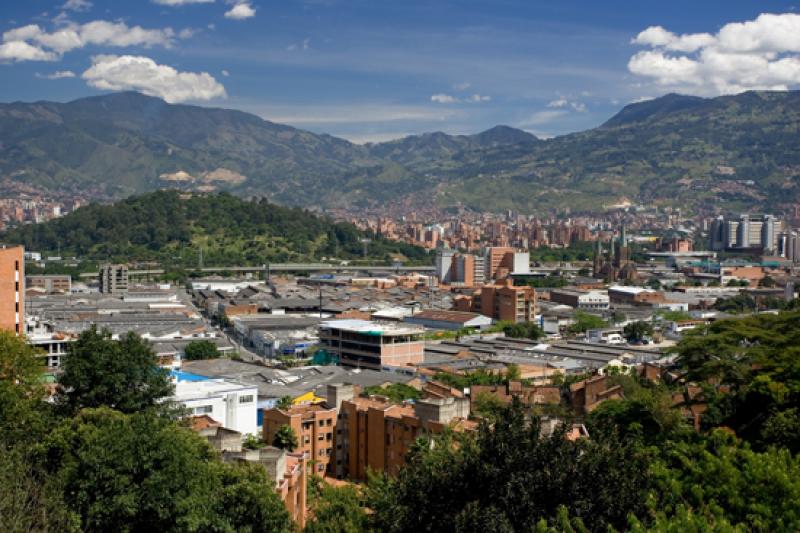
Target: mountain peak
639 111
502 134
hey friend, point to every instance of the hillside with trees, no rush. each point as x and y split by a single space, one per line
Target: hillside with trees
176 228
737 152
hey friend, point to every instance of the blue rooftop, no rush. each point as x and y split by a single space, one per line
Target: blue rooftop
186 376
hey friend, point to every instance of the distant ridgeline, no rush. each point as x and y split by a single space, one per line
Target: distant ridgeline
173 227
738 152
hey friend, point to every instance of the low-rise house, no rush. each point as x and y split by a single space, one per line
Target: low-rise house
449 320
587 394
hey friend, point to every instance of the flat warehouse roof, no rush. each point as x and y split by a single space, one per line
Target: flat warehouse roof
369 328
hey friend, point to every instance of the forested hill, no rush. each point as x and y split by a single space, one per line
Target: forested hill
174 227
739 152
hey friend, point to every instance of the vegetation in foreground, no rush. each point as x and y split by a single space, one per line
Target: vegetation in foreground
95 464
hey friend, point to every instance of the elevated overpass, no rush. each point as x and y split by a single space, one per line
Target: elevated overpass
285 267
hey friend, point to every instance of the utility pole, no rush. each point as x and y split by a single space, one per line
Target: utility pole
320 298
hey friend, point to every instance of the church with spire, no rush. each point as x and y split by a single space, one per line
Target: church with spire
617 264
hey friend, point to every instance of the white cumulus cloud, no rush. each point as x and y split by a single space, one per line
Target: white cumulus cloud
241 11
444 99
57 75
181 2
562 102
22 51
759 54
476 98
77 5
139 73
33 43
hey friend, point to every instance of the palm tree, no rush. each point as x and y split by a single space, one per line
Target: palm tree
285 438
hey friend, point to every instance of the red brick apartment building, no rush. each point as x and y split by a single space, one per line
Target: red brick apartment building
314 426
12 288
502 301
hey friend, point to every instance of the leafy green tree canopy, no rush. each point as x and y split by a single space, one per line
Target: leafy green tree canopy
123 374
202 349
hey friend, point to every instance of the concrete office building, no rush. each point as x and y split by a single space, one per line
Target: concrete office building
49 283
114 279
12 289
586 300
366 344
747 232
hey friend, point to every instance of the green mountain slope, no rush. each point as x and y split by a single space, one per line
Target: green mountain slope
732 152
172 228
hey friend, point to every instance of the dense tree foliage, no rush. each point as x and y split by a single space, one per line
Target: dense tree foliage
740 303
171 228
203 349
509 477
93 468
755 362
285 438
637 331
523 330
337 510
100 371
583 321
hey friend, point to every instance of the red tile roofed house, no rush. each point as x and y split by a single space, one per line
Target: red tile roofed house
527 395
586 395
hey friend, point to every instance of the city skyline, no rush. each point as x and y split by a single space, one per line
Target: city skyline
375 72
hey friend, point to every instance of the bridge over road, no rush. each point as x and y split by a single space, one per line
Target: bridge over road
286 267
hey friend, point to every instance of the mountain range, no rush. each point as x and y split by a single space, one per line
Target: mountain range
730 152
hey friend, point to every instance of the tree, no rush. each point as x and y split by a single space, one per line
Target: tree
285 438
337 510
523 330
141 472
487 405
736 304
124 374
721 479
203 349
757 361
23 414
507 478
284 403
637 331
767 282
583 321
29 499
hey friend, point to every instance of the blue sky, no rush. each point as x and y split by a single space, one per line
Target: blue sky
373 70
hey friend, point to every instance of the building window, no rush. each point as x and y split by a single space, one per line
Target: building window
203 409
246 399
